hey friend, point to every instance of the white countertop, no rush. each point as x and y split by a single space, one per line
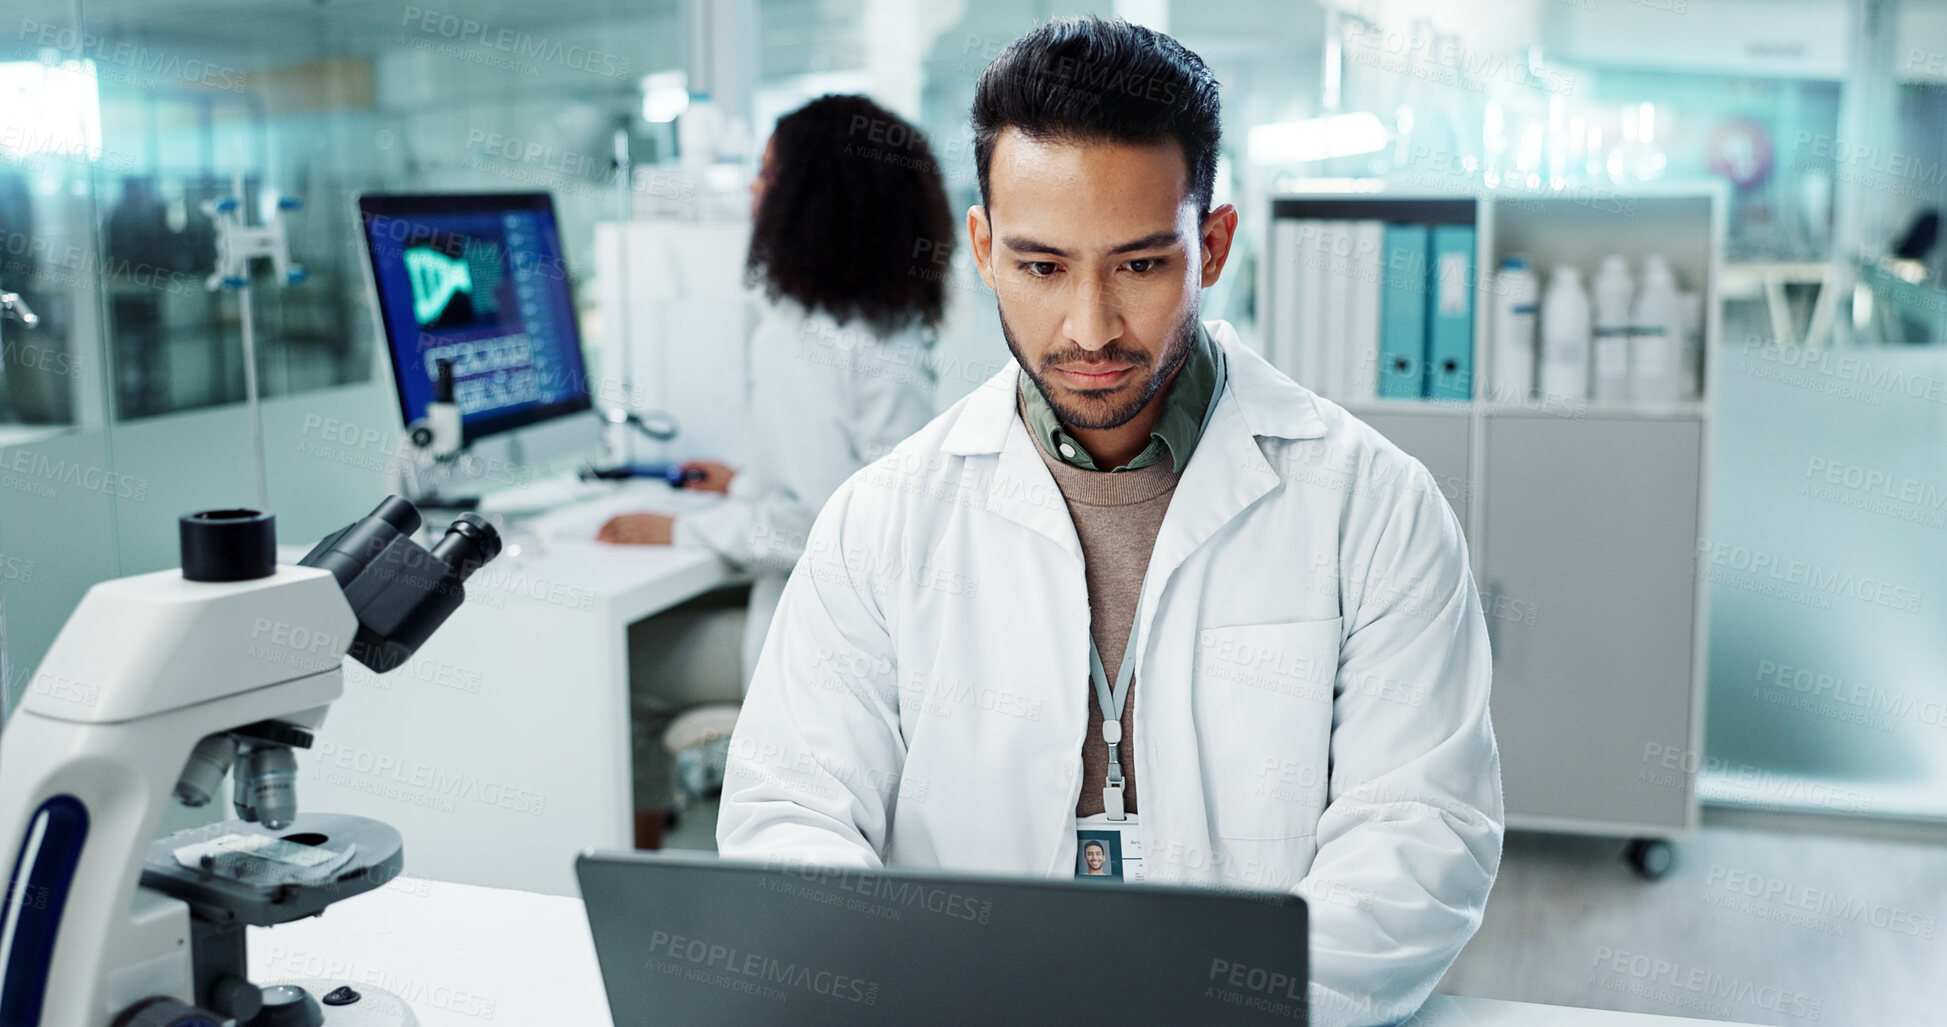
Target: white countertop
461 955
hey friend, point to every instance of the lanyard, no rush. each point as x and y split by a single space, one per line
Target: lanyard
1113 700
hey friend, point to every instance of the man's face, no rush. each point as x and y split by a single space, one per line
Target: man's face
1095 857
1098 259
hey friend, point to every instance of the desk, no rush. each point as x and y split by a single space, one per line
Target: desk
463 955
502 747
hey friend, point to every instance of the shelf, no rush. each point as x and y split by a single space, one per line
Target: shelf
1685 410
1688 410
1680 219
1449 407
1431 210
1315 189
1376 188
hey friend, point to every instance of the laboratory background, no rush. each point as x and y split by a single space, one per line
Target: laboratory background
1677 360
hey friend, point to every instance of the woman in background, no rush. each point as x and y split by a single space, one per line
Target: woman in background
850 239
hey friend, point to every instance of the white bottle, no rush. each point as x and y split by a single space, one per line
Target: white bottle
1565 336
1609 355
698 130
1656 342
1515 290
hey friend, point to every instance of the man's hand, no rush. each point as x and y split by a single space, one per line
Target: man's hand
716 476
642 529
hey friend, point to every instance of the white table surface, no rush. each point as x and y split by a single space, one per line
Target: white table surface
463 955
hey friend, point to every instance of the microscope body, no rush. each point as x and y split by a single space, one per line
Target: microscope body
152 687
145 668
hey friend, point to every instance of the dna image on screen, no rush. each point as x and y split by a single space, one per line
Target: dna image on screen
444 284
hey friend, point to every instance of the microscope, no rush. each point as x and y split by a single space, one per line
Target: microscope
161 685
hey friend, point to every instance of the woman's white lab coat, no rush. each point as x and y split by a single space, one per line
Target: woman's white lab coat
825 400
1311 691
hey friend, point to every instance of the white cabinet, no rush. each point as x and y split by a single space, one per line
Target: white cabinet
1582 519
1589 534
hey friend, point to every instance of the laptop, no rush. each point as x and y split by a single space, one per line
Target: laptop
689 939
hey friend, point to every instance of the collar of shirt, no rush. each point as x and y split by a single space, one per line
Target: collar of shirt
1197 385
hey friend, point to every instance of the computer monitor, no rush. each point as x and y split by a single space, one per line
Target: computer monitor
479 280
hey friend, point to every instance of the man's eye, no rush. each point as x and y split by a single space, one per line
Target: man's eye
1144 265
1039 268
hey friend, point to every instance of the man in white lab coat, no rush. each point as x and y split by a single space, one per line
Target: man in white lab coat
953 679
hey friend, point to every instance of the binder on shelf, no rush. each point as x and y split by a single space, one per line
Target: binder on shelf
1402 312
1335 257
1450 313
1264 290
1281 329
1362 310
1305 362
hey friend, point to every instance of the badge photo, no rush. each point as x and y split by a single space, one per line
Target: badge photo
1098 855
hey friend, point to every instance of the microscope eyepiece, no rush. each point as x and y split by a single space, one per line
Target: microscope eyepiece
470 543
402 515
228 545
400 591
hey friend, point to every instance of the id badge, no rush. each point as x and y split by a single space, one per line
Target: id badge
1108 850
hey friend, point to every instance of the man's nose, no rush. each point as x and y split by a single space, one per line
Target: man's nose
1094 319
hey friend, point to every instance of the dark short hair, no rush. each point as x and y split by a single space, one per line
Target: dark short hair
1099 845
854 222
1093 79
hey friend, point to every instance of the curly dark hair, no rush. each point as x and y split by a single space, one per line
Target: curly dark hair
854 221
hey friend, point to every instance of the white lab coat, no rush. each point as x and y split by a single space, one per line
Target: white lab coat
1311 691
825 400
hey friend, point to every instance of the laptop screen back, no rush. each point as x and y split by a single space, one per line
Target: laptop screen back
689 940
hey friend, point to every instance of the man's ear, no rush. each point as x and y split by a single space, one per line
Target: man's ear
1219 231
980 235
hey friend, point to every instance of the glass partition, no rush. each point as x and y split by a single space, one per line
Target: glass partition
123 407
61 490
